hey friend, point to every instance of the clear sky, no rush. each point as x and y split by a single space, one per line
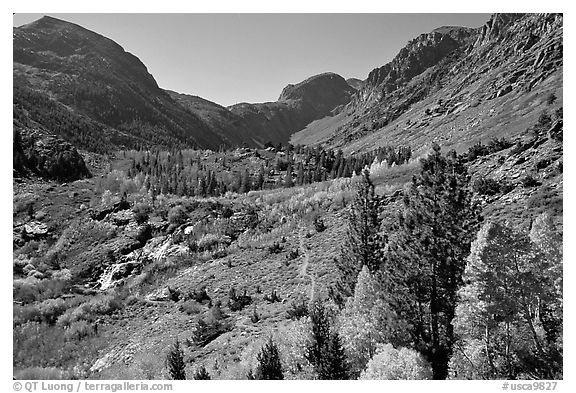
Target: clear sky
231 58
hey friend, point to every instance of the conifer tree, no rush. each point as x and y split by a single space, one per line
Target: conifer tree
426 257
269 365
363 241
175 362
326 352
202 374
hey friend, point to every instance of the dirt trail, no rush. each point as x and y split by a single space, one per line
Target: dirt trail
304 268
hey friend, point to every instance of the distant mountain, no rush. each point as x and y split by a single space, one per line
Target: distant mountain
87 90
87 75
296 107
454 86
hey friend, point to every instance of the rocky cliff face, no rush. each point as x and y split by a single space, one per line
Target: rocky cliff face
454 86
35 152
421 53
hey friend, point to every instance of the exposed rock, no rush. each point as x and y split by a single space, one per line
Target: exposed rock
35 230
47 156
503 91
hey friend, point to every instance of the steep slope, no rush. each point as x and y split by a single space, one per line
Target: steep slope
454 86
226 124
297 106
92 76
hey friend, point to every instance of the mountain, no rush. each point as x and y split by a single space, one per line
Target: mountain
75 72
65 75
455 86
297 106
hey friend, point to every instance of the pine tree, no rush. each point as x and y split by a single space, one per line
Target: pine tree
426 257
337 361
363 241
202 374
175 362
326 352
269 366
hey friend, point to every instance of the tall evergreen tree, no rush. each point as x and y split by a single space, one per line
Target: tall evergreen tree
175 362
363 240
326 352
427 253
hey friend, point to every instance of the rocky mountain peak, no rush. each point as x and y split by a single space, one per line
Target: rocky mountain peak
321 91
419 54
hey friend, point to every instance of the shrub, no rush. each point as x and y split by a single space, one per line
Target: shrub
298 310
391 363
255 317
486 186
319 225
528 181
79 330
142 212
191 307
293 254
91 310
206 332
275 248
200 295
476 151
237 303
42 373
273 297
202 374
177 215
541 164
51 309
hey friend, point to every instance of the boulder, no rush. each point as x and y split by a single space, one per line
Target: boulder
503 91
35 230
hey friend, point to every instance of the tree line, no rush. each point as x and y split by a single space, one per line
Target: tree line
188 173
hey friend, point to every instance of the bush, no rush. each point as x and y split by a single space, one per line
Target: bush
79 330
237 303
293 254
476 151
391 363
177 215
255 317
202 374
319 225
91 310
528 181
275 248
298 310
200 296
206 332
142 212
273 297
51 309
42 373
484 186
191 307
